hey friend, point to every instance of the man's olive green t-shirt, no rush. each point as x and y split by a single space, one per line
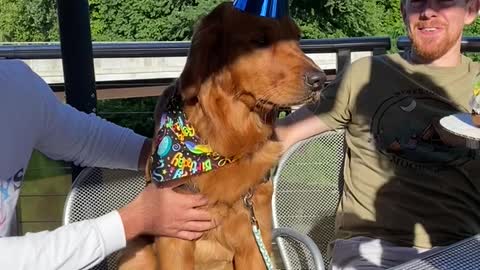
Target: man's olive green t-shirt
406 181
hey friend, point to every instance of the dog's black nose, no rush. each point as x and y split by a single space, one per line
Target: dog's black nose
315 79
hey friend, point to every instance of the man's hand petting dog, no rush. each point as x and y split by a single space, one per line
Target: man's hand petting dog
164 212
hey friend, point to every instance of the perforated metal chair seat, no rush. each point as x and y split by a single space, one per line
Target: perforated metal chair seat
307 187
96 192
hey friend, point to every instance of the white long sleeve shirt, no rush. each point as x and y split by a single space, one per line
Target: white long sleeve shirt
31 117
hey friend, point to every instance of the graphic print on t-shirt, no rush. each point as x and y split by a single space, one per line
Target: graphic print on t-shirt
7 188
403 128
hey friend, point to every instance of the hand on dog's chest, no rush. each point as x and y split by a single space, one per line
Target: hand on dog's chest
179 152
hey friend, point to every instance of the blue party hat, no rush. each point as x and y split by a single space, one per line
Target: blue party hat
275 9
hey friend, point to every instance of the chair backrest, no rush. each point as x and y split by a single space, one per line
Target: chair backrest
96 192
307 188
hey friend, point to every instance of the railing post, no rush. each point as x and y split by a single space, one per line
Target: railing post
379 51
344 57
77 57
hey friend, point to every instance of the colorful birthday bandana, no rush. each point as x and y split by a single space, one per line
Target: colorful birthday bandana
179 152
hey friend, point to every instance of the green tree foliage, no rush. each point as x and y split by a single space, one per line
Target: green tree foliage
154 20
473 31
146 19
28 20
170 20
173 19
337 18
135 113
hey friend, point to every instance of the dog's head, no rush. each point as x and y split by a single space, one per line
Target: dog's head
260 57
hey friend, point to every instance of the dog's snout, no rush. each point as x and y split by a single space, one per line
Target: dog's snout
315 79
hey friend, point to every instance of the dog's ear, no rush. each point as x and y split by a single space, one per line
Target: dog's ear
162 102
208 52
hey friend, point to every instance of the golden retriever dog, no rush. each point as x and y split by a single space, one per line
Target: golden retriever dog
240 69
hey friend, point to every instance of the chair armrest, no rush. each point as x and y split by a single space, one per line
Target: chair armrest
304 239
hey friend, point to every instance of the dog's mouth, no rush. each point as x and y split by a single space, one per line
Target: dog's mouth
268 110
312 97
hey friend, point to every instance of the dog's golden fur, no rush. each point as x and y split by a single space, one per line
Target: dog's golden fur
239 69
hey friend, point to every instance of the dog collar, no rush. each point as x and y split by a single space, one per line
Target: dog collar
179 151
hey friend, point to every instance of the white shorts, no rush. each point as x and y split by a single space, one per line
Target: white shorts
364 253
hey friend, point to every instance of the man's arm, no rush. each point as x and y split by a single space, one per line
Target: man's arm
144 154
81 245
298 126
331 111
86 139
76 246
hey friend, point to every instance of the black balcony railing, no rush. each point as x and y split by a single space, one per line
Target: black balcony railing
342 46
469 44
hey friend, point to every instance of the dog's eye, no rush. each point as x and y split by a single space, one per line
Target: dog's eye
260 42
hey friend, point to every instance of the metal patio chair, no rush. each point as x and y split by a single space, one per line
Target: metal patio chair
96 192
307 187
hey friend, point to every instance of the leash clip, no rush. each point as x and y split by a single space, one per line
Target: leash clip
248 203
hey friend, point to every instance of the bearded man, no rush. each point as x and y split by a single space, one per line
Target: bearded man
408 186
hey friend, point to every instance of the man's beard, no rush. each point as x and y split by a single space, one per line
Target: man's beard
430 49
